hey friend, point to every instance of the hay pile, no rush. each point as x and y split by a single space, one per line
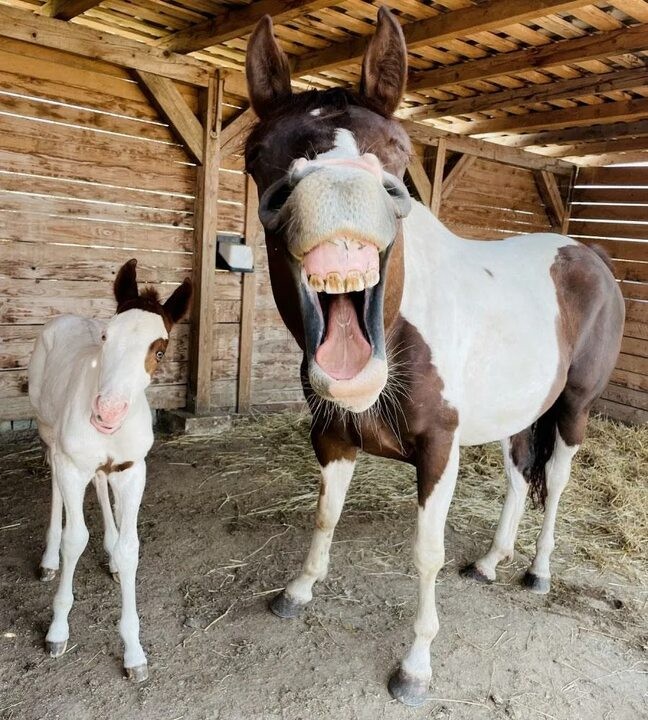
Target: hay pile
603 516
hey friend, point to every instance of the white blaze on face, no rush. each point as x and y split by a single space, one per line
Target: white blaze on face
345 146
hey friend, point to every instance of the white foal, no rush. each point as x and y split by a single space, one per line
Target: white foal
86 383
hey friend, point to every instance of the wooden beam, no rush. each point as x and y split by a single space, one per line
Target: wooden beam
66 9
566 117
170 103
437 177
234 23
537 93
589 47
205 229
438 29
420 180
453 178
550 194
234 134
615 145
609 158
428 135
253 231
79 40
576 134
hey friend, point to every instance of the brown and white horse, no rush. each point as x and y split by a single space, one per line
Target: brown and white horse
417 341
86 383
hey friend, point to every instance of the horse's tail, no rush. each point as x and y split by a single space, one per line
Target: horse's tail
542 441
604 255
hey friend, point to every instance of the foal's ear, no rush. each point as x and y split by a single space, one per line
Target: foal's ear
125 286
267 69
384 68
178 302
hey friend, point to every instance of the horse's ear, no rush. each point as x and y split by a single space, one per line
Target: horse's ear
178 302
125 286
267 69
384 67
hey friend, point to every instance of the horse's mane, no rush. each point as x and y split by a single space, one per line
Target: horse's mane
148 300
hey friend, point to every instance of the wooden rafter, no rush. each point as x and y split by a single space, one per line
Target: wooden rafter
438 29
437 176
420 179
452 179
615 145
235 133
550 194
556 90
577 134
234 23
66 9
589 47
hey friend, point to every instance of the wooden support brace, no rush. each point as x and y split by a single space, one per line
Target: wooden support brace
550 194
246 342
437 179
234 134
170 103
462 166
205 229
420 180
66 9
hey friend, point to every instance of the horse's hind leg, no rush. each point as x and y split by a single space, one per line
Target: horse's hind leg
50 561
502 547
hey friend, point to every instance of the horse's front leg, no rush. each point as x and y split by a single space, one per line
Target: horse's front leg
337 461
437 466
111 533
128 487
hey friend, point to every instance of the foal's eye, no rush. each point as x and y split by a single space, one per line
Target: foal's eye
159 355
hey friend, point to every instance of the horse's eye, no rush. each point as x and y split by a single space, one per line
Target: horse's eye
159 355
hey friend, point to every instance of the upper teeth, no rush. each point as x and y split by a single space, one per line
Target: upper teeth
335 284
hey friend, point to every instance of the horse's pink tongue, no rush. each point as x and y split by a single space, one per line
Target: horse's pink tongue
345 350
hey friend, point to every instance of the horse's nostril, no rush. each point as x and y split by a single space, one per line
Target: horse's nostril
99 418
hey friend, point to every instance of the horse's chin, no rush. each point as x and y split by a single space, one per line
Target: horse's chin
355 394
102 427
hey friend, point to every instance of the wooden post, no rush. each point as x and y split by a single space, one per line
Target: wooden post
246 340
205 228
570 192
437 179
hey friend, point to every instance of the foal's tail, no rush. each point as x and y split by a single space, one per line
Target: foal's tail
542 440
604 255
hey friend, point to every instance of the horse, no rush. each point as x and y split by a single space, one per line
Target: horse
86 384
416 341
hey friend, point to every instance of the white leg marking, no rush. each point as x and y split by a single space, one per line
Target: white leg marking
50 559
336 477
429 555
128 487
110 529
557 471
72 486
503 545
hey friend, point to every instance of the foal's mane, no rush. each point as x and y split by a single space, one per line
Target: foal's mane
147 300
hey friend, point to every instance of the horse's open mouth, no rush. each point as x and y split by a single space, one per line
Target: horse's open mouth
341 291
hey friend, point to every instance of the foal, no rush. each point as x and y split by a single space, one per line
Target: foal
86 384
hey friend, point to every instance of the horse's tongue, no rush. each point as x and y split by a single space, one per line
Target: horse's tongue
345 350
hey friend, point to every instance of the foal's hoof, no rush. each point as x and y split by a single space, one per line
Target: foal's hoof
285 607
535 583
406 689
137 674
474 573
47 574
55 649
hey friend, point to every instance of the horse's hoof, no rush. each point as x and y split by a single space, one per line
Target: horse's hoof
115 577
47 574
474 573
406 689
535 583
55 649
137 674
284 607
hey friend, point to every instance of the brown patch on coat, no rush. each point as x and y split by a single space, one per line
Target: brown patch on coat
151 361
109 466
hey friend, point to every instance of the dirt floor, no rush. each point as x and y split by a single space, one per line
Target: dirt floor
224 524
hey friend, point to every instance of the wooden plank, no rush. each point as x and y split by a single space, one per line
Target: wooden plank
66 9
623 176
610 195
437 177
170 103
206 227
633 363
456 175
550 194
420 180
563 52
634 213
619 249
623 413
253 231
235 133
232 23
615 146
78 40
635 346
632 231
436 30
576 134
627 396
631 380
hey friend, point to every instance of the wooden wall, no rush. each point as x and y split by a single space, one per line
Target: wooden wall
610 208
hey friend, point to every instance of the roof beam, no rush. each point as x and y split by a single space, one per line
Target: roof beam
420 179
615 145
556 90
589 47
575 134
79 40
66 9
237 22
440 28
566 117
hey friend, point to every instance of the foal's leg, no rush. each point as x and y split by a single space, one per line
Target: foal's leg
72 485
503 543
128 487
50 560
437 468
538 577
336 465
110 529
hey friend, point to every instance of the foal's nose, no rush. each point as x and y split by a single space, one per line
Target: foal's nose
110 410
368 162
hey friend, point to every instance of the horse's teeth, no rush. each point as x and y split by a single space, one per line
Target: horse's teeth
354 281
316 282
371 278
334 283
